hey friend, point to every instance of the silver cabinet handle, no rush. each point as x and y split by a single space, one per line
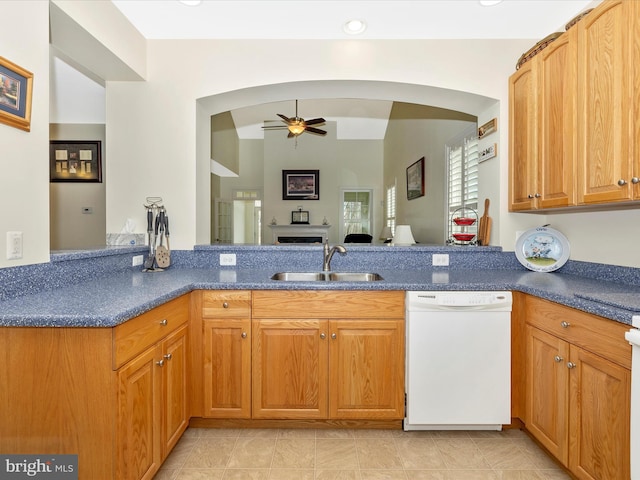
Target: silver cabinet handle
571 365
622 182
323 336
537 195
168 356
529 196
564 324
558 358
635 180
243 334
225 305
160 363
334 336
164 322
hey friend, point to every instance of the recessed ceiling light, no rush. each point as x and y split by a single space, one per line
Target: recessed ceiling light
190 3
355 27
489 3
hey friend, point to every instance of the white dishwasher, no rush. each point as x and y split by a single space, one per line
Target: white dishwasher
458 360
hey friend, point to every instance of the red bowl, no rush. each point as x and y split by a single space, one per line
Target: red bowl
464 237
464 221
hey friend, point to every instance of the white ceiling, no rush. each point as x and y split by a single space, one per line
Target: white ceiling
324 19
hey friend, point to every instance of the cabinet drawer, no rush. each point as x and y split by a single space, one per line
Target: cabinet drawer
599 335
226 303
327 304
132 337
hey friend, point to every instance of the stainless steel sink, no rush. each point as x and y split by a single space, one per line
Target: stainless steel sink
326 277
353 277
300 276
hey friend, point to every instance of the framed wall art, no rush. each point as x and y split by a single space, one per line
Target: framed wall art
415 179
489 127
16 88
75 161
301 184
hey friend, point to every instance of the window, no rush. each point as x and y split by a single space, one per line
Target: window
356 211
390 213
462 159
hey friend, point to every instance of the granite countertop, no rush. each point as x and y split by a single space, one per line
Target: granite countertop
109 300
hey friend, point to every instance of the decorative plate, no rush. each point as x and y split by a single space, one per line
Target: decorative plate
542 249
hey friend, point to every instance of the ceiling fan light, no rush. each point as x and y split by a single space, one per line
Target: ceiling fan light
296 128
489 3
355 27
190 3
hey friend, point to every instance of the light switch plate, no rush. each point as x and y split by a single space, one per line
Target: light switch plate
14 245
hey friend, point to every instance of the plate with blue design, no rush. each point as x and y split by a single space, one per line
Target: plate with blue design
542 249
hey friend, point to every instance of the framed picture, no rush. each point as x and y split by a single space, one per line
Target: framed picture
489 127
75 161
300 216
16 87
415 179
301 184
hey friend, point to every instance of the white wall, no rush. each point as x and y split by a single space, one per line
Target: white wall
157 131
24 156
71 228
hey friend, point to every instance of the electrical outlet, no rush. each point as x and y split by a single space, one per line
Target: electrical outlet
137 260
440 260
228 259
14 245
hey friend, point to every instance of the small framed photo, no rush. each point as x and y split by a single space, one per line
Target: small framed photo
415 179
16 88
301 184
489 127
75 161
300 216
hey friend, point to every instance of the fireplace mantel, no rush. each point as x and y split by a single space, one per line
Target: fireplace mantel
305 233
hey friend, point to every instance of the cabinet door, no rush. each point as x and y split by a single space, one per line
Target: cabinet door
175 373
604 96
557 84
290 363
366 370
140 417
600 418
547 391
227 368
523 155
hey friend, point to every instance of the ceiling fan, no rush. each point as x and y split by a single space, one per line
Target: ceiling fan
298 125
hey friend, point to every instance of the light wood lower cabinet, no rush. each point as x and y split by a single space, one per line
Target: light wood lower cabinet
337 355
226 333
152 395
578 389
98 392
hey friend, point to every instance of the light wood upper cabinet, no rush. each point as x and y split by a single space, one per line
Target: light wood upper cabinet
542 103
578 389
523 143
556 120
574 119
605 121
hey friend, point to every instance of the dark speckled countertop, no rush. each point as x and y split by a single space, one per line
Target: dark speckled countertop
102 289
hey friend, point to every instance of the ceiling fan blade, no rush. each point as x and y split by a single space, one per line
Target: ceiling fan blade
315 121
283 117
317 131
275 127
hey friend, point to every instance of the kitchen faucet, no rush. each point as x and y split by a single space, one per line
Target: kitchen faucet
328 254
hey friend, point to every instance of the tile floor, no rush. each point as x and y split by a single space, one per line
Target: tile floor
283 454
